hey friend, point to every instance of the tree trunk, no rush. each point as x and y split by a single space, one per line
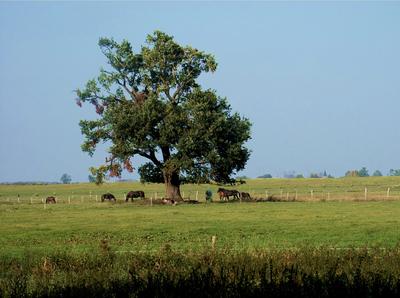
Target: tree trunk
172 184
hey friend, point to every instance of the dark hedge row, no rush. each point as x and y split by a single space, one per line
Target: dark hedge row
307 272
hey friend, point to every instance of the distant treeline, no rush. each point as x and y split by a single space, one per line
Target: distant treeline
52 183
28 183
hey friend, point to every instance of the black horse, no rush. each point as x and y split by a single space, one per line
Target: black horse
51 200
226 193
108 196
134 194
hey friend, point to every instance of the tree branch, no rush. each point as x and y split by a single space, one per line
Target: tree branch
151 156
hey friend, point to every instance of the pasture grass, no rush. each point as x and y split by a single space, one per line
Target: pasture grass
238 226
334 243
348 188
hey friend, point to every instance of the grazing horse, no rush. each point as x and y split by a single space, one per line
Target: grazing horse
108 196
134 194
245 195
226 193
51 200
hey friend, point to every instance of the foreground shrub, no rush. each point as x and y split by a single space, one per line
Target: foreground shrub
306 272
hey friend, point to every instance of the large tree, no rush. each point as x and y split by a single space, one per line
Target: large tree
151 105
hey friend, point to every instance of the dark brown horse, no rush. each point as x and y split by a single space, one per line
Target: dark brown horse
226 193
245 195
51 200
108 196
134 194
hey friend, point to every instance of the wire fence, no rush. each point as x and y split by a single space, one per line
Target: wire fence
281 194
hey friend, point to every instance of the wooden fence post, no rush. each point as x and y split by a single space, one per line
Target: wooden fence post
213 242
312 195
197 194
388 193
365 193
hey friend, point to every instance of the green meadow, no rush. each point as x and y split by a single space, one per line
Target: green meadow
347 218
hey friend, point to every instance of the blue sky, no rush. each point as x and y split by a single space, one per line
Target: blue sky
320 81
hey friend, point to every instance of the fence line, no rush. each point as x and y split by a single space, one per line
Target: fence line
366 194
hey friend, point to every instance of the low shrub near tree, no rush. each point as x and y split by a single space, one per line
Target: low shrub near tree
306 272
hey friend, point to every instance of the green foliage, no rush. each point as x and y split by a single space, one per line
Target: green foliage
65 178
208 195
150 173
91 179
150 104
363 172
377 173
99 174
305 272
393 172
299 176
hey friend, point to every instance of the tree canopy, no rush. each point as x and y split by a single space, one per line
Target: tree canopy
150 105
65 178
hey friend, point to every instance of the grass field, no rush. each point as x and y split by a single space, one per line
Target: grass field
334 239
78 227
379 188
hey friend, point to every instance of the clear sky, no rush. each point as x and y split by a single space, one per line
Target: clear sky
320 81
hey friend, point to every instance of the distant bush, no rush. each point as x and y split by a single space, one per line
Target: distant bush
265 176
65 178
377 173
352 173
363 172
393 172
315 175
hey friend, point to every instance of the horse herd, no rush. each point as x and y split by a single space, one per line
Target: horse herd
110 197
224 194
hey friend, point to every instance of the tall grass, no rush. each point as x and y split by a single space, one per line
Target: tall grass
305 272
